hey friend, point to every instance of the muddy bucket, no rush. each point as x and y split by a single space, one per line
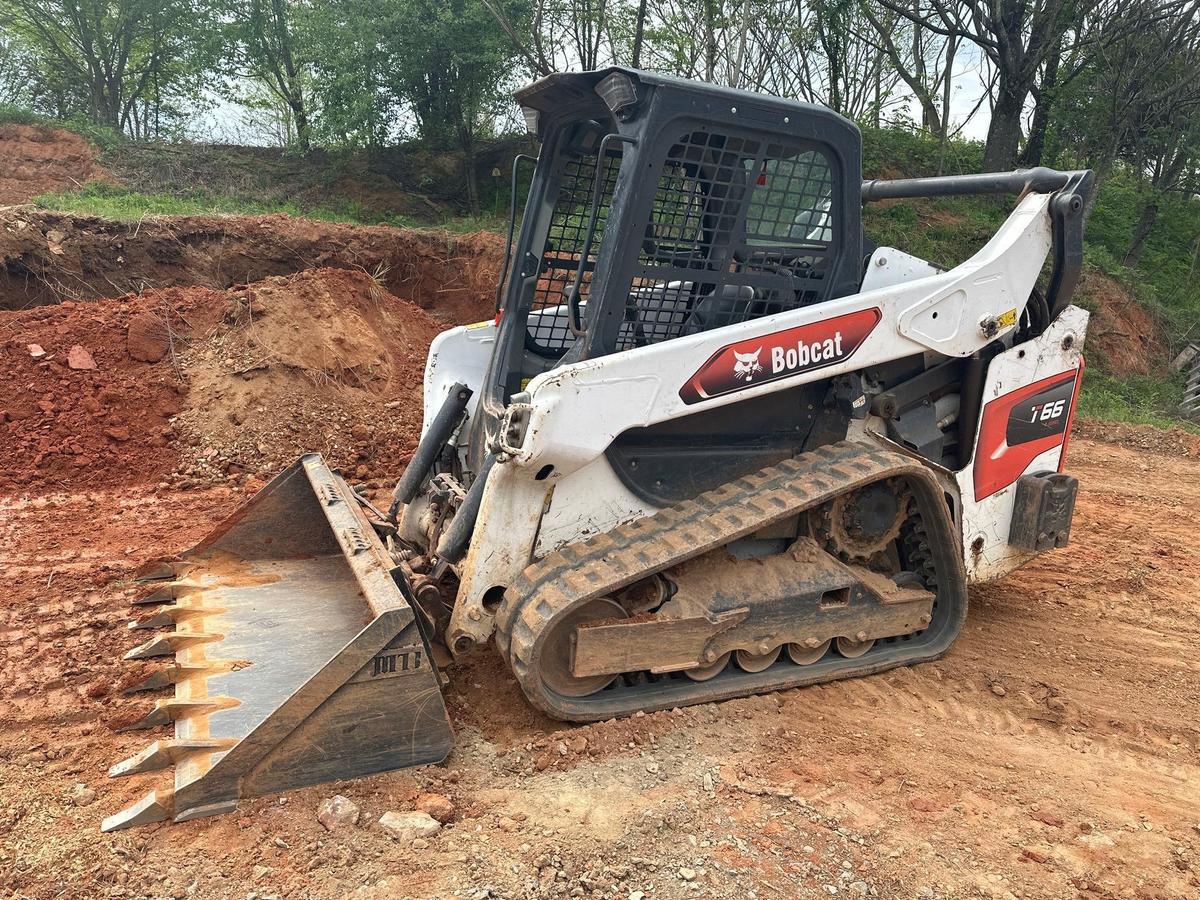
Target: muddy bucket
294 653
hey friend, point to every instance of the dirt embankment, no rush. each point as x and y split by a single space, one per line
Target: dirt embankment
48 257
196 384
239 344
38 159
410 179
1123 335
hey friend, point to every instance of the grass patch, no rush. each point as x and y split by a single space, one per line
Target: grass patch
944 232
1139 399
111 201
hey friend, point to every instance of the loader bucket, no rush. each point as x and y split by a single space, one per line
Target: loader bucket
294 651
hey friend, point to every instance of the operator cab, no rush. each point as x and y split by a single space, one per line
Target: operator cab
661 207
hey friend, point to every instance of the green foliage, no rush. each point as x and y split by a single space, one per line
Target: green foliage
1167 277
357 106
453 66
945 232
270 47
16 115
906 153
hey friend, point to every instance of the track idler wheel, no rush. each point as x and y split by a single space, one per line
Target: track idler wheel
712 670
853 648
559 650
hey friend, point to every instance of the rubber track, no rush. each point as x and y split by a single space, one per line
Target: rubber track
619 557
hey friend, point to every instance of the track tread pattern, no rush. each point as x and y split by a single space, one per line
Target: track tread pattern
614 559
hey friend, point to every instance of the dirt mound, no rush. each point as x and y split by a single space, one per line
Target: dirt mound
188 385
38 159
324 360
1125 335
1146 438
48 257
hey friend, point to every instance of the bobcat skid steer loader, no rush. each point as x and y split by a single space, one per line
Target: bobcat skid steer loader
713 444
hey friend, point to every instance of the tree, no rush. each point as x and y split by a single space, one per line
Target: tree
450 65
1018 37
131 59
924 61
351 73
1136 102
268 44
17 74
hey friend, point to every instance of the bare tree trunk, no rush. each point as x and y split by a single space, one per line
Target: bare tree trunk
1103 167
947 88
639 34
739 61
300 117
1036 145
1004 132
1164 179
1142 231
710 39
466 141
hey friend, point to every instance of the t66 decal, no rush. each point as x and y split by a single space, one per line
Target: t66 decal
1019 426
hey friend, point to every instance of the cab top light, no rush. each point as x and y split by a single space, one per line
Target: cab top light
618 93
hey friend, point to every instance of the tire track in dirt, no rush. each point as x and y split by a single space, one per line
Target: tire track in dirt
959 704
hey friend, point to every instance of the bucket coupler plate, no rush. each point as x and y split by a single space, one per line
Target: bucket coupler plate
295 655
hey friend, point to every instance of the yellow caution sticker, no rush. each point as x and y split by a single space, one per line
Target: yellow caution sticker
525 383
484 324
1007 319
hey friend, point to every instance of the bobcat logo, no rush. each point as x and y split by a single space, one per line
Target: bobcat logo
747 365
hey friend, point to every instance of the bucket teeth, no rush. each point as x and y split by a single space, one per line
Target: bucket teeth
169 674
161 569
162 754
167 615
164 618
154 807
168 644
168 591
167 711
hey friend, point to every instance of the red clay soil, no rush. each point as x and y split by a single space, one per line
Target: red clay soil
38 159
62 426
1122 333
186 385
47 257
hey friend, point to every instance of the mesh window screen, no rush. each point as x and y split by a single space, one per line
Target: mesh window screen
548 331
739 228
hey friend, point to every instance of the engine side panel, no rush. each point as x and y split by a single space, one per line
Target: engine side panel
1028 403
